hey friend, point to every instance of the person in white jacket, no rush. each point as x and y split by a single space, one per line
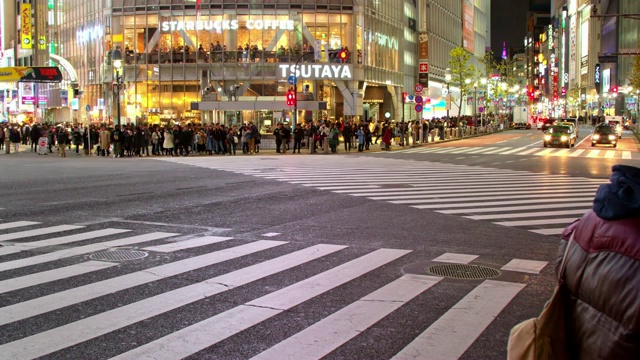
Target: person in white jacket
168 142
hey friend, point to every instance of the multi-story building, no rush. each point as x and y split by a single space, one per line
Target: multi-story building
537 24
183 60
449 24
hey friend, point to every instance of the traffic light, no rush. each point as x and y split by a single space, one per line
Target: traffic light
614 89
291 98
343 55
404 97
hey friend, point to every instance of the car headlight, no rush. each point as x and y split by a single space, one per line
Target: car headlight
547 137
564 138
596 136
612 137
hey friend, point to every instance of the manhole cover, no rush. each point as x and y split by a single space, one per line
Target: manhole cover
119 255
463 271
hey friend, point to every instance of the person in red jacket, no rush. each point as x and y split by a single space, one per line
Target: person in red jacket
602 272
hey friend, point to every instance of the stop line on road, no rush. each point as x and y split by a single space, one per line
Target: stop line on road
525 150
498 195
441 339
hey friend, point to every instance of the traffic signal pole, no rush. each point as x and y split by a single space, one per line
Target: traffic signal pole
295 90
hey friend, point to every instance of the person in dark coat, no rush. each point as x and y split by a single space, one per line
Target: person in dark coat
35 135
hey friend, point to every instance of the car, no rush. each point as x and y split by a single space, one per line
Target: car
604 134
616 123
573 123
560 135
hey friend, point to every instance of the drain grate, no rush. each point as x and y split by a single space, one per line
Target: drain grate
463 271
119 255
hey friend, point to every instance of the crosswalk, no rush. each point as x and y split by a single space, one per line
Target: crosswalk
109 297
540 203
607 153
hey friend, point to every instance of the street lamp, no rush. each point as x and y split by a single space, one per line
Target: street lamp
116 57
447 79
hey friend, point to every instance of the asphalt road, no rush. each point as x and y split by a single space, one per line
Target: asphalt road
286 256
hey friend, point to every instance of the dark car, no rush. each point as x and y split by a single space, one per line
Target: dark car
560 135
604 134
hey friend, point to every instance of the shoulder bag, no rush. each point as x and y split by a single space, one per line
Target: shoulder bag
544 337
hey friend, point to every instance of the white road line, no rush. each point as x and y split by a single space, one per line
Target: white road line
527 214
626 154
335 330
526 152
610 154
584 205
525 266
16 224
496 203
188 244
80 250
36 232
409 179
18 247
484 150
468 192
499 150
583 140
59 300
562 152
534 184
455 331
513 151
452 198
593 153
461 150
554 231
545 152
74 333
271 234
206 333
349 187
446 150
538 222
577 153
53 275
456 258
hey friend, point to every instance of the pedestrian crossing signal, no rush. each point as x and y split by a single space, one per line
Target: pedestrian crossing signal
343 55
291 98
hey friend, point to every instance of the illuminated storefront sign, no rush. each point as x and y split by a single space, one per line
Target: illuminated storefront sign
25 19
226 25
91 33
384 40
318 71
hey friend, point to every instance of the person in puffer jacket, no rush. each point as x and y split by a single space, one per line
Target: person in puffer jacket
602 272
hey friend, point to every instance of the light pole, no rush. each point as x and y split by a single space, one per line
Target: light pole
447 79
483 81
116 58
295 88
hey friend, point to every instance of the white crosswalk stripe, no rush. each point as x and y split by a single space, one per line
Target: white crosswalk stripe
477 193
507 150
477 309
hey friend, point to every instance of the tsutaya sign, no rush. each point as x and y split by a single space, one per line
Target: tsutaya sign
284 24
318 71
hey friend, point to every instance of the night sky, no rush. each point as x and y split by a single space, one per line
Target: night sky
508 23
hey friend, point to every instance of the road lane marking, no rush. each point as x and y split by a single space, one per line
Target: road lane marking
526 152
271 234
206 333
610 154
495 203
553 231
478 198
15 224
626 155
18 247
325 336
499 150
593 153
455 331
577 153
584 205
537 222
187 244
538 183
452 194
545 152
350 187
74 333
456 258
37 232
484 150
526 214
525 266
76 295
561 152
81 250
513 150
581 141
53 275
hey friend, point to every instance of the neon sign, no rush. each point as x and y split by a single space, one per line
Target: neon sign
220 25
317 71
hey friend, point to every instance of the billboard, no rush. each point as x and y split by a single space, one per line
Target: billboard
45 74
468 32
423 50
26 27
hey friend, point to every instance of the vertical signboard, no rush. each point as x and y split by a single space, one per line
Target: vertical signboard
423 50
468 32
27 95
26 28
584 48
573 48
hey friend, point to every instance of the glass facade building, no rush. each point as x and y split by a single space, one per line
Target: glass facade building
180 52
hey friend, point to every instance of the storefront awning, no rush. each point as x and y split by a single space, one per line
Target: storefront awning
49 74
276 105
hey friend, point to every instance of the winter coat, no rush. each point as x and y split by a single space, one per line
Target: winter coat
386 135
105 139
361 137
603 300
168 140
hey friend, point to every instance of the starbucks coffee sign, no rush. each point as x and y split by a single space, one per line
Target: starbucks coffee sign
318 71
220 25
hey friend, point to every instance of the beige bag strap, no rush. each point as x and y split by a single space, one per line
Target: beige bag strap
564 258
